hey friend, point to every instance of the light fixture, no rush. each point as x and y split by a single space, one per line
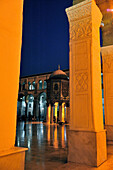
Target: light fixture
109 10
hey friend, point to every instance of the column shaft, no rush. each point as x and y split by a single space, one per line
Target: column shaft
10 52
86 117
63 112
107 57
56 106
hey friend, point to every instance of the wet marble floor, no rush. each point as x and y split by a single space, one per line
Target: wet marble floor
47 145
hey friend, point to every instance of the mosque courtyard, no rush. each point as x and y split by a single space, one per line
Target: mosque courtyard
47 147
47 144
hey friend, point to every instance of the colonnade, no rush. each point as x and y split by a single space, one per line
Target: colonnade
53 116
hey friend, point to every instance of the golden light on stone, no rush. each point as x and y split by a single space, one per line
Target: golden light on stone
10 50
107 57
48 114
56 105
63 111
86 117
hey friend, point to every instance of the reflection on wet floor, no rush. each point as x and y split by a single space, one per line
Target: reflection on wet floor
47 144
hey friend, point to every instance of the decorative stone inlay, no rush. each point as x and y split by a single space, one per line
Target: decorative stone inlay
81 29
81 80
78 11
108 63
107 57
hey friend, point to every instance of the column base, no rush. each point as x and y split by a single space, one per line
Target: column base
109 135
13 159
87 147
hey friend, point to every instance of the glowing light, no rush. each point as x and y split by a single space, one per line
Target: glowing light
109 10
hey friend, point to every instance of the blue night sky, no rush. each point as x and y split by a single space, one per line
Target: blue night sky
45 36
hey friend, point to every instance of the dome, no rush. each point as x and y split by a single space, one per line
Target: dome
58 74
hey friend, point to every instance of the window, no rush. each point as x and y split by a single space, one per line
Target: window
29 85
40 84
45 84
33 85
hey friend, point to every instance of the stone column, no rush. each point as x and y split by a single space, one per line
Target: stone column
51 114
107 57
56 105
87 137
48 113
63 112
11 157
67 113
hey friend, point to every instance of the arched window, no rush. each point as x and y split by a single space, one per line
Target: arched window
45 84
33 85
40 84
23 86
29 86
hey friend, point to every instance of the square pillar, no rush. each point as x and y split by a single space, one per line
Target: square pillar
56 106
61 112
87 137
11 17
107 58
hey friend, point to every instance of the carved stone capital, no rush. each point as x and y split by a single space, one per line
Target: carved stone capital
81 19
107 57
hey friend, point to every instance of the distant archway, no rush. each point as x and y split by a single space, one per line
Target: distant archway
30 103
42 106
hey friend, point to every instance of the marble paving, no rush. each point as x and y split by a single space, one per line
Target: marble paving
47 145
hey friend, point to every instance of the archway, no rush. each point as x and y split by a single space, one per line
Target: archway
42 106
29 106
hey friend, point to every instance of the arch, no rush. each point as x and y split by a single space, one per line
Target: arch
42 106
29 106
29 86
40 84
45 84
33 85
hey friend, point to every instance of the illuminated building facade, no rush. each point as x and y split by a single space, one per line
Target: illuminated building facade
35 94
